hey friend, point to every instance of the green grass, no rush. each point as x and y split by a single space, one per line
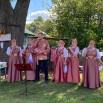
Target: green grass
50 93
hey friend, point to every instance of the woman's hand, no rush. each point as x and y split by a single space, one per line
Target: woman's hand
86 52
38 51
65 63
100 61
70 48
44 52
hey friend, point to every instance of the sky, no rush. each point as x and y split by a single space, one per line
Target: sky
37 8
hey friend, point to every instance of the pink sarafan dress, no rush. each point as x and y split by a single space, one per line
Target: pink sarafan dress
30 75
53 55
73 74
91 76
34 56
58 75
34 61
14 58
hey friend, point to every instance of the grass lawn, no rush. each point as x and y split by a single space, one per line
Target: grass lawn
50 93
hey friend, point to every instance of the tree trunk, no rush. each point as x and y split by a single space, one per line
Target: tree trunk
13 21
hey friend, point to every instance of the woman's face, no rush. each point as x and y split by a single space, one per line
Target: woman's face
74 43
91 44
60 44
13 43
40 36
30 41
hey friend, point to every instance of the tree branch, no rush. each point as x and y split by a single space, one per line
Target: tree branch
21 9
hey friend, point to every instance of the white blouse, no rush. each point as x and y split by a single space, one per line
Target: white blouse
8 52
30 59
65 53
97 50
76 52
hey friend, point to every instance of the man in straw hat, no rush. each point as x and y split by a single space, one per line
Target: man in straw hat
42 49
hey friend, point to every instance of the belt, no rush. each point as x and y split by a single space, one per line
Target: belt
28 53
74 56
14 54
90 57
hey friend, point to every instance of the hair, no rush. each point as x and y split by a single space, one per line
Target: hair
13 40
74 40
62 41
92 41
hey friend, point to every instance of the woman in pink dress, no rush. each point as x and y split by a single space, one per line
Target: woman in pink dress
73 74
14 55
30 75
91 76
60 65
34 56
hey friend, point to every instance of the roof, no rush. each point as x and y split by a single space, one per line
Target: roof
50 38
29 33
32 35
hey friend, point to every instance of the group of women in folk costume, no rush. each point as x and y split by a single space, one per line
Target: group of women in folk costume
35 54
15 55
66 62
66 66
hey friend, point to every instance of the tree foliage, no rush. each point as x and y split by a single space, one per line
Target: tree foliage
46 26
81 19
35 25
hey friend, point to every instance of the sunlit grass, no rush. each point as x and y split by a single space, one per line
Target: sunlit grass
50 93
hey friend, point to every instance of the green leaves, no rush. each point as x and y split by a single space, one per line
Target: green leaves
81 19
55 1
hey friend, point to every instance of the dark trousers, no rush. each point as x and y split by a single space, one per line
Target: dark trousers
44 65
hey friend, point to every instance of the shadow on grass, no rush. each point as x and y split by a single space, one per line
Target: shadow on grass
49 93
